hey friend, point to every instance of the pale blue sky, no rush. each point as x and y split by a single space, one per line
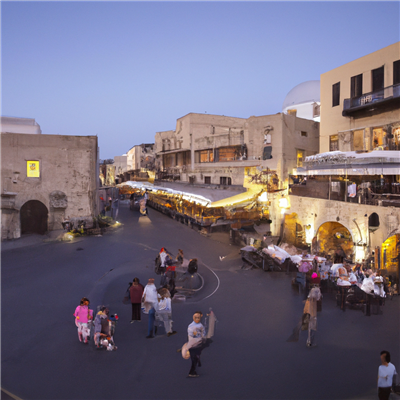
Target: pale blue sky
125 70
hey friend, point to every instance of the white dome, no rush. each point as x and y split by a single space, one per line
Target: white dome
306 92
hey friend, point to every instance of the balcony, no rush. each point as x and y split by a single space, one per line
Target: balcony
379 99
387 195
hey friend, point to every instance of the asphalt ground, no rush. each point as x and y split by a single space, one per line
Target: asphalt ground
248 359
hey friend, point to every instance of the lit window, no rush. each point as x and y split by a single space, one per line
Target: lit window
378 139
333 143
300 158
358 140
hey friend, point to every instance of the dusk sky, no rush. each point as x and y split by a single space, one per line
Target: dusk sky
126 70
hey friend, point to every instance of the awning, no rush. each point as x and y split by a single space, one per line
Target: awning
239 198
374 170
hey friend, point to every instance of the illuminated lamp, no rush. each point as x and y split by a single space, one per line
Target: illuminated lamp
283 202
263 197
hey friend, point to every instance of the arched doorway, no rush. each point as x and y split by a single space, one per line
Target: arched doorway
34 217
333 235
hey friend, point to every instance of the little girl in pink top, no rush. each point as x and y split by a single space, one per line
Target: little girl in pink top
82 318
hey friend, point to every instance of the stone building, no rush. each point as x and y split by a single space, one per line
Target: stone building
351 196
140 161
121 164
141 156
45 178
361 103
215 149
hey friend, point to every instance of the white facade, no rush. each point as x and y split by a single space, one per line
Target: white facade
19 125
303 101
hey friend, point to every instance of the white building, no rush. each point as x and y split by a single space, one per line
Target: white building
19 125
303 101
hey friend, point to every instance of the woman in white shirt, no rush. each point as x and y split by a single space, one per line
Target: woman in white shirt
164 311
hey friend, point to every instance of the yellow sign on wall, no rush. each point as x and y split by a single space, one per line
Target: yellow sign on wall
32 169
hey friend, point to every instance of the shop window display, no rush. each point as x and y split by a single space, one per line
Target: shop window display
333 143
378 139
394 142
358 139
300 158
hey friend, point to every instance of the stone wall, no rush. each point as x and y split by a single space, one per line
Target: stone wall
353 216
284 134
67 184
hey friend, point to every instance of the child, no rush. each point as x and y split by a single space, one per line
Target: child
83 316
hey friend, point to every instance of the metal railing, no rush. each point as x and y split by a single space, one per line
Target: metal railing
367 99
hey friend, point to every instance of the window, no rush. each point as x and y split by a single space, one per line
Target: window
377 79
267 153
169 160
207 180
224 180
333 143
356 86
300 158
316 110
396 72
292 112
373 221
303 133
378 138
396 138
204 156
336 94
183 158
358 140
228 153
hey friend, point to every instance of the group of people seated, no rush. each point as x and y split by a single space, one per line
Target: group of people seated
369 281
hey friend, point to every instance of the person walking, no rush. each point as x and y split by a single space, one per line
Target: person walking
311 309
149 299
386 371
164 310
83 317
197 342
136 294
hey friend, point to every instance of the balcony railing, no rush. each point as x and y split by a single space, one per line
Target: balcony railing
371 100
386 196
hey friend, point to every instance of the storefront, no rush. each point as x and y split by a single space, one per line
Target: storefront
390 255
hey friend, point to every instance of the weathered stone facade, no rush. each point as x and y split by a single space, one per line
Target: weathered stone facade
215 149
141 156
312 213
66 185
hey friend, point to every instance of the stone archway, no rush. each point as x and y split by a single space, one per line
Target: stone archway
331 235
34 216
